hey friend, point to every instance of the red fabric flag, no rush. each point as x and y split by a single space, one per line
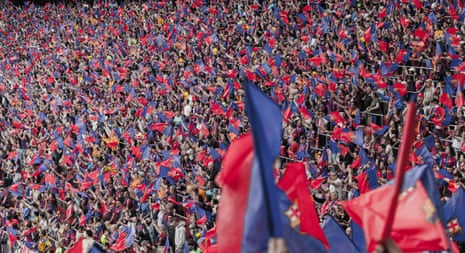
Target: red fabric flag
12 154
452 30
452 12
320 90
452 186
287 113
446 100
367 35
283 16
250 75
244 60
400 55
240 158
317 60
202 220
336 117
382 13
294 183
343 148
216 108
401 88
421 34
305 113
461 67
404 21
50 178
418 4
347 136
383 46
158 127
362 181
416 225
375 127
316 183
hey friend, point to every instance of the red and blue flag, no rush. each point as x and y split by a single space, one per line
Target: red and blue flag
338 239
259 208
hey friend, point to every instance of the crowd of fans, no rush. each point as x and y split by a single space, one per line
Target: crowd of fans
116 116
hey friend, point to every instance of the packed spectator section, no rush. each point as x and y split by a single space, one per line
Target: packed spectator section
115 117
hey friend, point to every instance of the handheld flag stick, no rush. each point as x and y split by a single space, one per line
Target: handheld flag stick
402 160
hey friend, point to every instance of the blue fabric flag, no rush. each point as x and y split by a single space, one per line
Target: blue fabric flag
265 118
265 209
454 215
358 237
337 238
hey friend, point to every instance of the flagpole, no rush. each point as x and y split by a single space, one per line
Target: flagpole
408 136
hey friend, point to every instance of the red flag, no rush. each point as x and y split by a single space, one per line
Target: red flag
416 226
401 88
375 127
287 113
362 181
202 220
446 100
383 46
12 154
50 178
216 108
404 21
343 148
316 183
382 13
367 35
418 4
421 34
294 183
320 90
244 60
239 157
317 60
452 12
250 75
336 117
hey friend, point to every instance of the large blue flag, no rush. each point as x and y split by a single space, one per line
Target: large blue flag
266 122
454 215
358 237
249 194
337 238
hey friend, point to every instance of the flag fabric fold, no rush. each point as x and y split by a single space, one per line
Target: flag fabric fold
455 216
416 226
252 208
337 237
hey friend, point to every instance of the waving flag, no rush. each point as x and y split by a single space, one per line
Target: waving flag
85 246
416 226
337 237
358 237
125 239
259 208
455 216
294 183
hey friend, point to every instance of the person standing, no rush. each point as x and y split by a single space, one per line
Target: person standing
180 236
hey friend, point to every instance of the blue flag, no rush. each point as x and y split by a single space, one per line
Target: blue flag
266 122
263 209
358 237
454 215
337 238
